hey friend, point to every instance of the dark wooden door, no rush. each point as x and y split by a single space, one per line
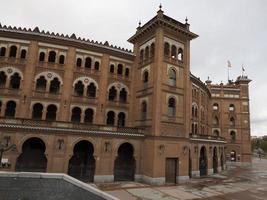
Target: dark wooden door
171 170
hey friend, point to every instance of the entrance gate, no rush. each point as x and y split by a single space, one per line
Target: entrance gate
171 170
203 162
82 163
32 158
124 168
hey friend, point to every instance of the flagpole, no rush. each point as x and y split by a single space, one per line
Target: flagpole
228 74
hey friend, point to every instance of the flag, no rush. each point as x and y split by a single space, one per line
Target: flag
229 64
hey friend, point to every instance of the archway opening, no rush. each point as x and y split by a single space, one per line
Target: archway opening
15 81
3 79
124 168
32 158
82 163
203 162
215 161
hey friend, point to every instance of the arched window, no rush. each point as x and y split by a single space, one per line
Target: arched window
146 53
3 78
76 114
231 107
232 121
166 49
142 55
171 107
78 62
13 51
174 51
196 129
88 62
193 111
3 51
145 77
37 111
152 50
41 83
216 133
143 110
61 59
111 118
180 54
111 68
52 56
193 128
123 95
91 90
10 109
112 94
215 106
215 121
120 69
172 77
79 88
15 81
89 116
23 54
233 136
41 56
54 86
127 72
51 113
121 119
196 112
97 65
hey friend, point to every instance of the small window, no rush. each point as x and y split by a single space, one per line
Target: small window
231 107
52 56
232 121
41 56
180 54
145 77
127 72
215 121
216 133
152 50
120 69
13 52
174 51
111 68
97 65
215 106
61 59
23 54
166 49
144 110
78 62
3 51
111 118
142 55
172 77
112 94
233 136
88 62
146 53
171 107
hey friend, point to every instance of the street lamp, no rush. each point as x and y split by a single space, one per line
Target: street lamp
6 147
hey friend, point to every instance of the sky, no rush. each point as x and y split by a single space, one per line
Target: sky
233 30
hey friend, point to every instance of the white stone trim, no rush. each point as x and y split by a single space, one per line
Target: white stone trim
11 70
103 178
88 52
114 59
196 173
14 40
154 181
52 46
182 179
148 43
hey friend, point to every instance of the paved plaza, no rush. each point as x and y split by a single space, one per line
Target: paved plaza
246 183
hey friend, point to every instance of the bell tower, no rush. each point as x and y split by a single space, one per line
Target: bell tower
161 93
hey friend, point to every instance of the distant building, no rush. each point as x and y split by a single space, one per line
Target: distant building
102 113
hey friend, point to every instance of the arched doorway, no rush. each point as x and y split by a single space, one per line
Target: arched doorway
124 168
82 163
203 162
32 158
215 161
189 164
233 156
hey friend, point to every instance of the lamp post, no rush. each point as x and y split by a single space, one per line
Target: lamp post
5 147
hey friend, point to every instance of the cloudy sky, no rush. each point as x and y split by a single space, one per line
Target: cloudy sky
228 30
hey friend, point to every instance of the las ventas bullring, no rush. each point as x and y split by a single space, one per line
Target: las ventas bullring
102 113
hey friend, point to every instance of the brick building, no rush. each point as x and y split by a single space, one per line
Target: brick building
103 113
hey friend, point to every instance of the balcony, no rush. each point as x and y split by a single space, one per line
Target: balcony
11 60
10 92
90 71
173 61
207 138
69 127
120 104
51 65
83 99
42 94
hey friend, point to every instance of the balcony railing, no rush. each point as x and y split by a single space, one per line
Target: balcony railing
64 126
174 61
42 94
9 91
83 99
11 60
117 103
206 137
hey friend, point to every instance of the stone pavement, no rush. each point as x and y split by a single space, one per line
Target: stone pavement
246 183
